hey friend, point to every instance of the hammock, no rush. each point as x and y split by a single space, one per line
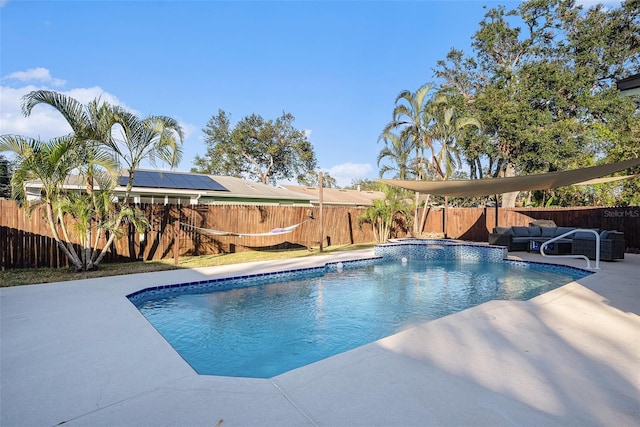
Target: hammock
274 232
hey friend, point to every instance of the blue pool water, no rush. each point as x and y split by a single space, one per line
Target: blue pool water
267 329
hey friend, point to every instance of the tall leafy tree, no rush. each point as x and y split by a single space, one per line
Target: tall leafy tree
364 184
310 179
462 83
265 150
542 81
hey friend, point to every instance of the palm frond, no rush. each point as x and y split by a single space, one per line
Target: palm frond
72 110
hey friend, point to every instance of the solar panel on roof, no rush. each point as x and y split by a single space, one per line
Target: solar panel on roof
161 179
179 181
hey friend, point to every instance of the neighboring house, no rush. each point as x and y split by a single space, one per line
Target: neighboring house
337 196
629 86
170 187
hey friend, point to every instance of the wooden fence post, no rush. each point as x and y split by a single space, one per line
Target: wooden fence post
176 243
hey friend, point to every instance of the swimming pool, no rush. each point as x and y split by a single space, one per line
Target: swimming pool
263 325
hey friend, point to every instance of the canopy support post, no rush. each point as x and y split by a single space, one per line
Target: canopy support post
496 209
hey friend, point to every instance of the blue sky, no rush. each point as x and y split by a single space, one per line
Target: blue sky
336 66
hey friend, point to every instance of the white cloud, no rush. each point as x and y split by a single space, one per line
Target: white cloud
187 128
590 3
44 121
345 173
40 75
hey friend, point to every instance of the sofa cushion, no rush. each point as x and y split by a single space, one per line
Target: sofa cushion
564 240
613 234
520 231
543 223
548 231
534 231
507 231
604 235
562 230
583 235
521 239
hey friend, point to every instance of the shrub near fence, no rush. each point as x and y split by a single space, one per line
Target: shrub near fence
27 242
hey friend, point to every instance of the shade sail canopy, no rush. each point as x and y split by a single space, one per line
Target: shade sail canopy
485 187
607 179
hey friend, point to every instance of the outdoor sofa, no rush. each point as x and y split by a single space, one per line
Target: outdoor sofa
520 238
525 238
612 245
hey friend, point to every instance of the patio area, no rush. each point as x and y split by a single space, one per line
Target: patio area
81 354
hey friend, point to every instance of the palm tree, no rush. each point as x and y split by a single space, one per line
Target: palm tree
410 120
91 151
50 162
153 138
91 127
446 128
398 152
383 212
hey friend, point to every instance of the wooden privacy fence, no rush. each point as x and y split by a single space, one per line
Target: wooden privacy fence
27 241
195 220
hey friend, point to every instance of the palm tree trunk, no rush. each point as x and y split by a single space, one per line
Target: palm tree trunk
88 266
104 250
94 249
69 245
71 255
423 220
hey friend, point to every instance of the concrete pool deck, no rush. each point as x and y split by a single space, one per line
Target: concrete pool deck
81 354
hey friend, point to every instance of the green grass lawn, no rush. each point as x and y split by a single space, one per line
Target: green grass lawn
31 276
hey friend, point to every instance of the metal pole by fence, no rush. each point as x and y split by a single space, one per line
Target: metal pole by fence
320 216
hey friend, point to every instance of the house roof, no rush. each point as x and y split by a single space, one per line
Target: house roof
242 187
227 189
338 196
630 82
630 85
